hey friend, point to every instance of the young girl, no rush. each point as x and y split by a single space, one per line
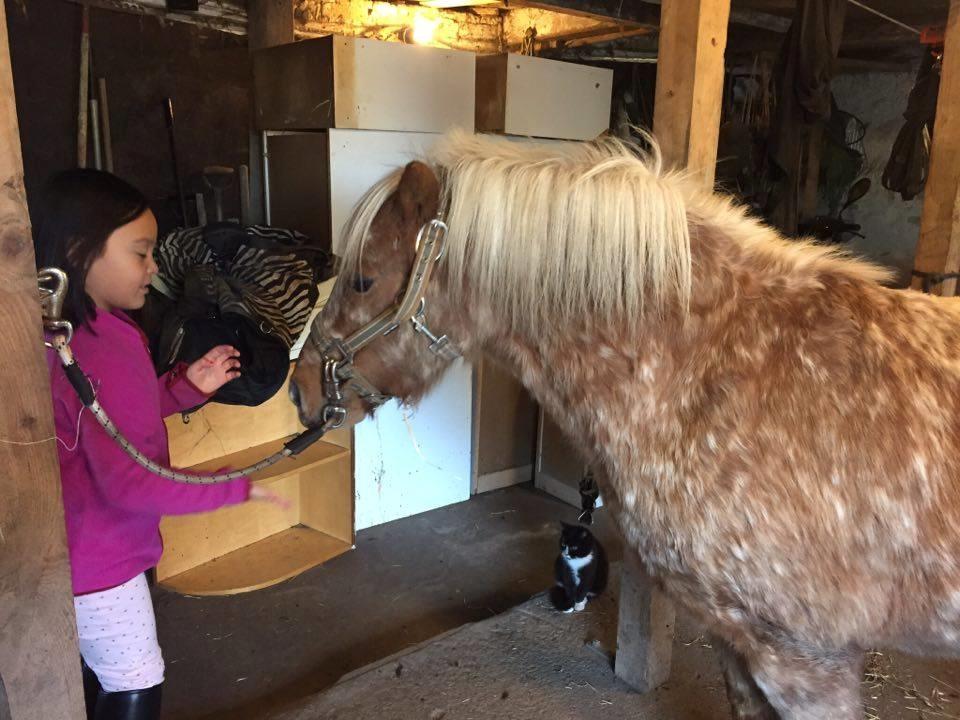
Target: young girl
100 231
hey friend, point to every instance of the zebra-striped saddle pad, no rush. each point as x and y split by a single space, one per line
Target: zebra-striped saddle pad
253 287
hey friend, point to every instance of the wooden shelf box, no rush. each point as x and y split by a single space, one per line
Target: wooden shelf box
536 97
255 544
346 82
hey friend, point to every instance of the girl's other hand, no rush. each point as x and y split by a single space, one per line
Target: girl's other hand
215 369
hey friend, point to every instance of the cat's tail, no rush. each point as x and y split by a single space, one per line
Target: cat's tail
558 596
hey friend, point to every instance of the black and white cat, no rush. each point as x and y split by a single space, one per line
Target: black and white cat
580 570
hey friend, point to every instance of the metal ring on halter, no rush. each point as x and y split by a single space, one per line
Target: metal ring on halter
333 416
435 227
331 381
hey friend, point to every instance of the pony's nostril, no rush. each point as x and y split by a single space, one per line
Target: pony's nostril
294 394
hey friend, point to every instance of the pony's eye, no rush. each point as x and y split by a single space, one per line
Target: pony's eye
361 284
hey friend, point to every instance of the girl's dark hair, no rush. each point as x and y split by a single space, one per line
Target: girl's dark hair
81 208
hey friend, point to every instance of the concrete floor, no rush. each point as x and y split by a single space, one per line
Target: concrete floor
406 582
532 663
471 573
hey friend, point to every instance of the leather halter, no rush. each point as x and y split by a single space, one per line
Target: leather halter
337 354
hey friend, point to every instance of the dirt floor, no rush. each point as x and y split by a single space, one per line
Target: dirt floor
451 599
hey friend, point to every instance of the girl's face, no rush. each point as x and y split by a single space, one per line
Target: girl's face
118 279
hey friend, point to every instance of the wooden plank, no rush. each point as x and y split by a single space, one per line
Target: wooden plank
476 384
265 563
342 437
82 104
647 617
636 13
608 37
105 125
491 103
39 657
391 86
347 82
228 16
686 123
938 249
316 454
591 36
686 113
508 421
192 540
217 430
326 498
269 23
539 93
504 478
559 464
811 173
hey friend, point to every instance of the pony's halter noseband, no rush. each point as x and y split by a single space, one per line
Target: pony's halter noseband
337 355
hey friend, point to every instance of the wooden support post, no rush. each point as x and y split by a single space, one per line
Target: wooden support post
269 23
39 656
687 104
686 123
938 249
644 630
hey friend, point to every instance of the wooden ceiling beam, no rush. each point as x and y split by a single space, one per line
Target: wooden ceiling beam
625 13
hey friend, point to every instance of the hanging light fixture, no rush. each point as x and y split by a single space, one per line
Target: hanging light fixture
423 29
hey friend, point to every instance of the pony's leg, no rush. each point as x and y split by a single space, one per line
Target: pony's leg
747 701
802 686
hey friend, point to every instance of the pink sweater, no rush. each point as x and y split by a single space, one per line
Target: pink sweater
112 505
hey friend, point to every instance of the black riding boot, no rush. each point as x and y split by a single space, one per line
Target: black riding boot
91 689
129 704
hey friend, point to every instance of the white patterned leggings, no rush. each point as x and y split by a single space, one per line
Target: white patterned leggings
118 636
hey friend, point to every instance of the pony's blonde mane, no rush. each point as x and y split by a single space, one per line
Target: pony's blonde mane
574 229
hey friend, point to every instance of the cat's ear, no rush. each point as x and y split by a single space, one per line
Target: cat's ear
565 526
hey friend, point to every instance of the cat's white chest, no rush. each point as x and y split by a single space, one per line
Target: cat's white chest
577 564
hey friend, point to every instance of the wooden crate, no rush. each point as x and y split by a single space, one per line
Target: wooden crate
345 82
536 97
254 545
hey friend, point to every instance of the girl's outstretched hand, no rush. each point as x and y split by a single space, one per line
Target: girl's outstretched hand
215 369
258 492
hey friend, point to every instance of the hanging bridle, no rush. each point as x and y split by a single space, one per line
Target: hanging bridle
337 355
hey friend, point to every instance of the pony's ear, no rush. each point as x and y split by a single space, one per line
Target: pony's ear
418 194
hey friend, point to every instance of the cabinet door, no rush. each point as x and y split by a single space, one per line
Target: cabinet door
298 176
505 428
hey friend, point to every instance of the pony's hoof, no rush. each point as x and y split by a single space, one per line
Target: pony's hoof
580 605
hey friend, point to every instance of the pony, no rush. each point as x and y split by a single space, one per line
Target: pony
776 429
